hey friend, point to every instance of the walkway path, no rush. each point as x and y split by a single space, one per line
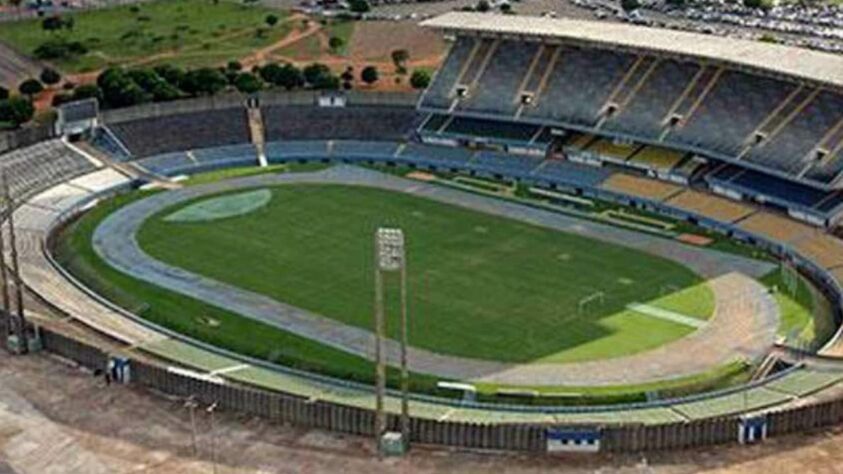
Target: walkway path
744 323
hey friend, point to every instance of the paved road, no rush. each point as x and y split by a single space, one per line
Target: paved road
744 323
15 67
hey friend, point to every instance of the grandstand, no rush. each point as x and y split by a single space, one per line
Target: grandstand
340 123
641 187
779 123
28 170
155 135
712 207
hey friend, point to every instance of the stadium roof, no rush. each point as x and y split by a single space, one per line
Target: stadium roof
772 58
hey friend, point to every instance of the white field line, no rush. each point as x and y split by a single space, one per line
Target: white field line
233 368
666 315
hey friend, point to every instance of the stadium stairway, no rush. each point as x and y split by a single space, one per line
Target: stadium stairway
129 169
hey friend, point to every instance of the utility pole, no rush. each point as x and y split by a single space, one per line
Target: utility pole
211 409
191 405
4 276
21 317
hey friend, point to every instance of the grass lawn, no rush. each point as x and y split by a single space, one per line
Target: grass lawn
342 29
481 286
198 31
806 317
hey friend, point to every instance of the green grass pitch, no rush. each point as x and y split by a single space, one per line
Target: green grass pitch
480 286
189 33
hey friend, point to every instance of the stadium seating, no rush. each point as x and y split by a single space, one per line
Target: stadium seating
168 164
580 84
505 164
824 250
571 174
721 112
789 150
438 95
171 133
733 109
104 141
712 207
490 129
352 149
31 169
439 156
773 227
781 191
498 94
645 111
656 158
641 187
225 156
339 123
613 150
282 151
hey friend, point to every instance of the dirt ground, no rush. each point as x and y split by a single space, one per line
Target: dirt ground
59 419
371 43
375 41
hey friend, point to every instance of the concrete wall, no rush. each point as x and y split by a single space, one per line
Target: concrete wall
503 437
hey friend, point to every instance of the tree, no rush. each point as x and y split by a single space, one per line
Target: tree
336 43
287 76
120 90
400 56
319 76
16 110
420 79
483 6
59 48
630 5
4 93
154 85
757 4
204 81
271 20
348 74
369 75
30 87
359 6
87 91
50 76
52 23
234 66
247 83
173 75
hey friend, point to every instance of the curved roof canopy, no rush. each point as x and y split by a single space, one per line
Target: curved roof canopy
774 59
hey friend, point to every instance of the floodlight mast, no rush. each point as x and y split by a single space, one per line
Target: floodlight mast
390 257
20 320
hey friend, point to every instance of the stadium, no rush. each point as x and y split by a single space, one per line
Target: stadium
617 239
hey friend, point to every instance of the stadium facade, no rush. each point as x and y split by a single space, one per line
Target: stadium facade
742 138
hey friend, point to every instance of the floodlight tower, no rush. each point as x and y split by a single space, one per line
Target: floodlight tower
20 320
390 257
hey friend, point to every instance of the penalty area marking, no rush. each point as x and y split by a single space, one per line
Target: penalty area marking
222 207
655 312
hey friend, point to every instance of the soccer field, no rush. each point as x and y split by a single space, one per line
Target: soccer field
481 286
